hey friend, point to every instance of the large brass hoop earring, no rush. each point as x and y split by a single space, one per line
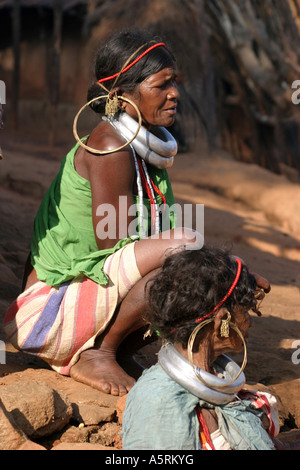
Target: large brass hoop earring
103 152
190 354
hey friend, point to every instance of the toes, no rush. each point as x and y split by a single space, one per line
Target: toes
129 388
123 390
103 387
110 379
117 390
114 390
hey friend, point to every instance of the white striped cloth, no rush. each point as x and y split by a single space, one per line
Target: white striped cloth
57 324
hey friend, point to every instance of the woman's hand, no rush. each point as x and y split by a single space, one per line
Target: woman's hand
263 286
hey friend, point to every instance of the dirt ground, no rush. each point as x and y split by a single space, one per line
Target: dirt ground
245 207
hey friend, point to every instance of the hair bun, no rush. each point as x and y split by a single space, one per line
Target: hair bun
99 105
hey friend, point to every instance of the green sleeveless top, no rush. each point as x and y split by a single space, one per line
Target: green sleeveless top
63 242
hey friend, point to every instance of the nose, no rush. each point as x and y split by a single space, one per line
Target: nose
173 93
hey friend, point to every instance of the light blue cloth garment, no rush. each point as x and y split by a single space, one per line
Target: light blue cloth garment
240 424
160 415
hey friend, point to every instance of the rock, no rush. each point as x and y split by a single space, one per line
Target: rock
92 413
76 434
298 281
108 435
15 174
90 406
9 291
7 275
29 445
10 284
120 408
287 395
37 409
11 438
289 436
80 446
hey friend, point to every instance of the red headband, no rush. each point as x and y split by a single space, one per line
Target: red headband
132 63
236 280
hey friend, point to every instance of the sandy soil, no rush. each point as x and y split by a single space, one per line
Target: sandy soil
245 207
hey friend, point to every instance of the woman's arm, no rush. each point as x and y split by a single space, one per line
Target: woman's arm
111 177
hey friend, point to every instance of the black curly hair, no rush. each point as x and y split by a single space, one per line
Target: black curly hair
189 285
111 57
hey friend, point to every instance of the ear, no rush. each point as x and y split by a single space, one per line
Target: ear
219 316
120 92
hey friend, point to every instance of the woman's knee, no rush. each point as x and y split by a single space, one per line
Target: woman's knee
185 238
151 252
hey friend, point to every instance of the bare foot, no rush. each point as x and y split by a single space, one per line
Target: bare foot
100 370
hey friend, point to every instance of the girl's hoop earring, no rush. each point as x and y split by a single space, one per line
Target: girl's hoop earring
190 353
104 152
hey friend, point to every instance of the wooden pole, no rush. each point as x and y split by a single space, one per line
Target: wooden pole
208 77
16 27
55 76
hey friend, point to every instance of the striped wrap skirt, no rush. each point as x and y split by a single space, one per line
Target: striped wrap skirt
58 323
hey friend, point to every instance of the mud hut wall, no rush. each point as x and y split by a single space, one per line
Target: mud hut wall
78 48
224 99
35 65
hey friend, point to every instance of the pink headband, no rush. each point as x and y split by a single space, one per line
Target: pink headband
236 280
132 63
